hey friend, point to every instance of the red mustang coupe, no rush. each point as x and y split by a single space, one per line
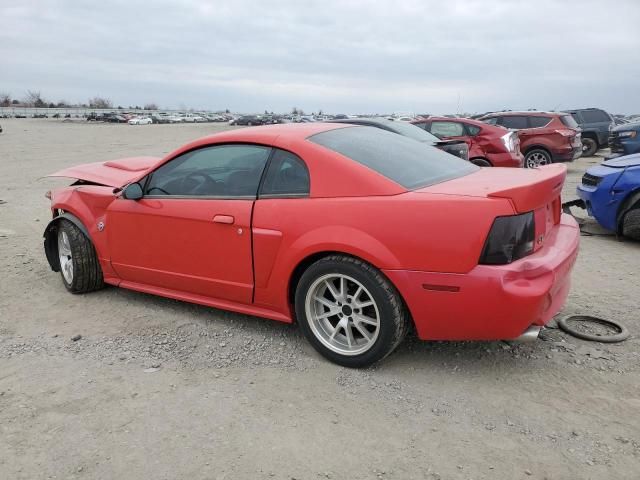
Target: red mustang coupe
352 231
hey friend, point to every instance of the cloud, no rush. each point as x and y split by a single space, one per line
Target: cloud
341 56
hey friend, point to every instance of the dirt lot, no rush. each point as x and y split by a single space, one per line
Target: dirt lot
158 389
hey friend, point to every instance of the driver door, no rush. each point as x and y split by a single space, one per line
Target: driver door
191 231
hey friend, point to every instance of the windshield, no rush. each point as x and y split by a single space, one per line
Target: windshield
407 162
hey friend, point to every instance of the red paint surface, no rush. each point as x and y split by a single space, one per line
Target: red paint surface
432 236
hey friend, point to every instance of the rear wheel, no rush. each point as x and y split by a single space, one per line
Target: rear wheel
349 312
536 158
481 162
631 224
79 266
589 147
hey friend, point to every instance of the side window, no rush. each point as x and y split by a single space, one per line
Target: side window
424 125
447 129
225 171
472 130
491 121
537 122
595 116
287 175
514 121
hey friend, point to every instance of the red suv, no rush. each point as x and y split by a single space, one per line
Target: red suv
545 137
489 145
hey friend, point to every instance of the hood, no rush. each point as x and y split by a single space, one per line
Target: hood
623 162
114 173
626 127
527 188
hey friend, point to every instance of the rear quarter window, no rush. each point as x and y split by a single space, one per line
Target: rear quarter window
568 121
407 162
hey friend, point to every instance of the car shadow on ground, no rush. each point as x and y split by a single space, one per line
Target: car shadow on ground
225 335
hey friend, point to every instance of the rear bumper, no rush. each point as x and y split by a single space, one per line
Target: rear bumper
568 154
493 302
506 159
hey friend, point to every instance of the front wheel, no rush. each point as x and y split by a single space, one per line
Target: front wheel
350 312
631 224
79 266
537 158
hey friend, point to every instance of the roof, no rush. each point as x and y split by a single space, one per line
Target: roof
531 113
469 121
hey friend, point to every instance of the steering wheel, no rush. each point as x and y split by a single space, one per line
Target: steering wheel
197 182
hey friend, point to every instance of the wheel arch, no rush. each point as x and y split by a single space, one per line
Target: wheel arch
310 259
537 146
51 239
485 159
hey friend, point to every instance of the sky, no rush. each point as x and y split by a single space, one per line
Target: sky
339 56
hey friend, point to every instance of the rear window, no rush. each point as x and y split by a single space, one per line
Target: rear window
568 121
413 131
407 162
537 122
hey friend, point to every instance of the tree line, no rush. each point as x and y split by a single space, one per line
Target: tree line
33 98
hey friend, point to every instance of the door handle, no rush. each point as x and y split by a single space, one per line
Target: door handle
224 219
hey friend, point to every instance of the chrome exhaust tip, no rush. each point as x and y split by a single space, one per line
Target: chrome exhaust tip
529 335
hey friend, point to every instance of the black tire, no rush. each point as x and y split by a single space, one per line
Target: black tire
87 274
589 147
631 224
622 334
394 317
481 162
536 157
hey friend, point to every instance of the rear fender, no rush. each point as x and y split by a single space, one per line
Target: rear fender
51 238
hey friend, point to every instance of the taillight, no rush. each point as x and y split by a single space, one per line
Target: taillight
510 239
509 140
566 133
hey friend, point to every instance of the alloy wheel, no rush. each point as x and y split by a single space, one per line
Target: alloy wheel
65 256
342 314
537 159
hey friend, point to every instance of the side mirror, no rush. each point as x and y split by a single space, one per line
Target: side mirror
133 192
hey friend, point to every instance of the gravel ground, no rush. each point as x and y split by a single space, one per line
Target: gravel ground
118 384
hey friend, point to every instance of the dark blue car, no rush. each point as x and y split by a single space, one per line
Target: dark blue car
625 139
611 194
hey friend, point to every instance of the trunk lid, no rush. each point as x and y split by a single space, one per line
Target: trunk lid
113 173
529 190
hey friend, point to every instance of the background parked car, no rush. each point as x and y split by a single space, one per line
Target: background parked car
611 194
247 120
459 148
545 137
489 145
595 125
625 139
140 121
